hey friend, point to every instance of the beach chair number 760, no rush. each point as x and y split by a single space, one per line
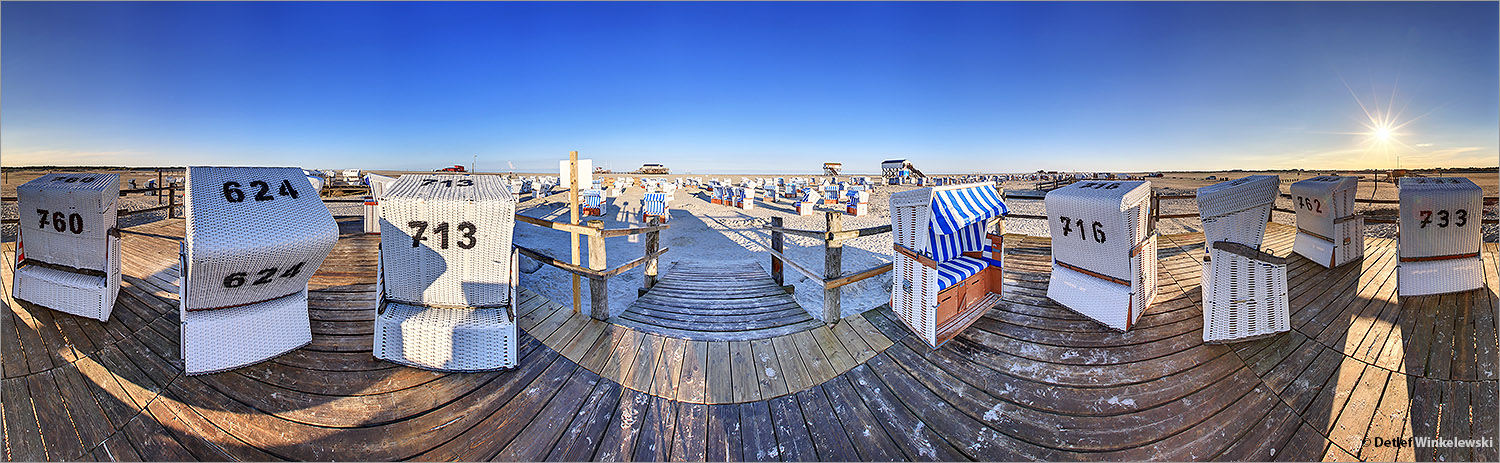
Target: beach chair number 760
467 229
1082 232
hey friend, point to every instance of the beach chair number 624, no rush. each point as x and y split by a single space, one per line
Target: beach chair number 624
237 279
234 194
467 229
1463 218
1082 232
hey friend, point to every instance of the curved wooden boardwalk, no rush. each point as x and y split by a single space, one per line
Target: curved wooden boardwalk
701 301
1030 380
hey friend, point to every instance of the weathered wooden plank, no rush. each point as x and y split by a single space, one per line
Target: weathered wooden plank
583 433
794 442
866 433
23 436
152 442
692 383
719 373
829 437
645 363
723 433
690 441
657 432
746 383
536 439
620 438
89 418
668 368
768 374
790 364
819 368
757 433
915 439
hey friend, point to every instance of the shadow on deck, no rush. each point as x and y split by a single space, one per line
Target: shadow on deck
1030 380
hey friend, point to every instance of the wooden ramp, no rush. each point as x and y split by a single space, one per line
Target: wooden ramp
706 302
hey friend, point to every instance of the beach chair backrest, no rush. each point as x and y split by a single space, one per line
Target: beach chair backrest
252 234
1096 225
1440 217
1238 210
446 240
1321 200
64 218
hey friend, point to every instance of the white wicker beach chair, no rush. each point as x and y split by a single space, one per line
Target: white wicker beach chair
255 236
1329 231
448 302
1440 236
1103 250
946 274
810 198
1244 289
378 183
830 194
68 251
746 198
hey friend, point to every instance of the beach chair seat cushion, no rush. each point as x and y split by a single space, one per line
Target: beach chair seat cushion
954 271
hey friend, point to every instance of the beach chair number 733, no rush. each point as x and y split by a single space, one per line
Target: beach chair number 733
1443 218
1082 232
466 229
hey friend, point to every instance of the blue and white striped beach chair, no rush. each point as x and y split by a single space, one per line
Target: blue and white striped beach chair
810 198
946 269
592 202
655 205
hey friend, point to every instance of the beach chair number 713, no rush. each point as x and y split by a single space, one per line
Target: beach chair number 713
1082 232
467 229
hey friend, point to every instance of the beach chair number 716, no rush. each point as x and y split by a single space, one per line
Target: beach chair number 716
1082 232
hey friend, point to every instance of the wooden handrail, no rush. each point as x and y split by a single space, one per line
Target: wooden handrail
857 276
634 263
567 267
924 260
788 261
832 236
589 231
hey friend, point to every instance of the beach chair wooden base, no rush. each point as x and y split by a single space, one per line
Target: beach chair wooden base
718 201
857 209
647 217
590 211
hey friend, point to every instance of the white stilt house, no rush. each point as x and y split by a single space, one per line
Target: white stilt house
1103 250
1329 231
1244 289
447 274
947 265
255 236
68 252
1440 236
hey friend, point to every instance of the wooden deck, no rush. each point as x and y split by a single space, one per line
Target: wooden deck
1030 380
702 301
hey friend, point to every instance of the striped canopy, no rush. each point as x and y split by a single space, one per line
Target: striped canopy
954 209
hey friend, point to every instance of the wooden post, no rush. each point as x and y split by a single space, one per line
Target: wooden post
833 259
598 286
1155 212
171 202
573 219
653 242
158 185
777 239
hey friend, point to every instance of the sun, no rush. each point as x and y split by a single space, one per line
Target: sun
1382 134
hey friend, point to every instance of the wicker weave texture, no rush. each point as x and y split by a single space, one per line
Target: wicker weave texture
1440 216
1120 210
914 288
80 208
218 340
1242 297
75 293
446 339
1323 204
249 239
1439 276
446 240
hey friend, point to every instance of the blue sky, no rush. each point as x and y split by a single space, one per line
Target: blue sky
749 87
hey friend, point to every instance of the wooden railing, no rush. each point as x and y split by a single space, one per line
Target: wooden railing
170 206
833 277
596 271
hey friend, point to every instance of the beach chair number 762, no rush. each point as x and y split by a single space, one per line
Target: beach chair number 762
467 229
1082 232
